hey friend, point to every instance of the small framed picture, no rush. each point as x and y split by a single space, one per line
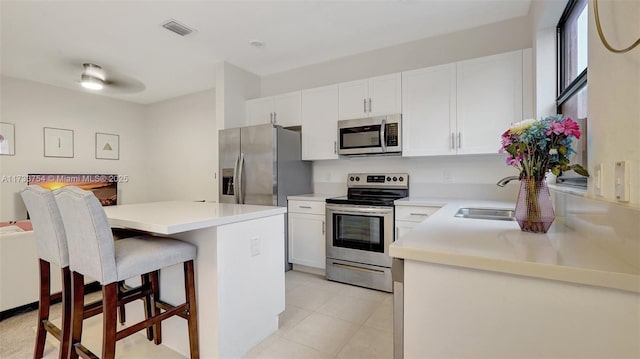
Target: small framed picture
107 146
7 139
58 142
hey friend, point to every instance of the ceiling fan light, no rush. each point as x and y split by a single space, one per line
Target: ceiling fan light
91 83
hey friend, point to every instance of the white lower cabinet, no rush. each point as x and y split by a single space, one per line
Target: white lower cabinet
409 217
307 228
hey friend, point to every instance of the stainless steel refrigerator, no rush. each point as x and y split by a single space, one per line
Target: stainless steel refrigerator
262 165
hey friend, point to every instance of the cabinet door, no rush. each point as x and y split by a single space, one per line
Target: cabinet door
306 240
385 93
353 99
403 228
489 99
319 123
259 111
429 111
287 109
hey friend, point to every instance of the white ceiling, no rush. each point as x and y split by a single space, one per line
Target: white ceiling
47 42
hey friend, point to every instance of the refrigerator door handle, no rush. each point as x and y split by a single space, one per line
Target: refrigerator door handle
235 181
240 186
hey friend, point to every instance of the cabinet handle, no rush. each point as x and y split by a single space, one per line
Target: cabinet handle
275 117
271 117
452 143
335 147
419 214
307 207
323 228
364 105
369 104
459 139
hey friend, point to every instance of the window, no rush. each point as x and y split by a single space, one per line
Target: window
571 99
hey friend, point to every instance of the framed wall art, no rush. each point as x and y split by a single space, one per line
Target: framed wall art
107 146
7 139
58 142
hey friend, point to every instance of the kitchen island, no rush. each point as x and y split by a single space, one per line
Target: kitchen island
239 271
483 288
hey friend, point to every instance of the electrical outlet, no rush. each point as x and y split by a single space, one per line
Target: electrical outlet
255 246
448 178
622 181
597 179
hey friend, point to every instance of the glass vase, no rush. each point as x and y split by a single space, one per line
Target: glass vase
534 210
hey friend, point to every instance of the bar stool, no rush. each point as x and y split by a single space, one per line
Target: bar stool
51 243
93 252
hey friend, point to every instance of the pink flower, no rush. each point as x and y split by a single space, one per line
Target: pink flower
556 128
571 128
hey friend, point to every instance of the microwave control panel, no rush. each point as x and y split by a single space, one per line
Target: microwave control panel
392 134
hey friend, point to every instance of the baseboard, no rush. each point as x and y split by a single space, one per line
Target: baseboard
55 298
306 269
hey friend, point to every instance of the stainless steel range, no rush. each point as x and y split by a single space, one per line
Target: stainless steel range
360 229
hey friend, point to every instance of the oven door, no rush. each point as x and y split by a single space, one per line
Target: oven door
360 233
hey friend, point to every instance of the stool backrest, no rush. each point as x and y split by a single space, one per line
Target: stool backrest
48 229
91 247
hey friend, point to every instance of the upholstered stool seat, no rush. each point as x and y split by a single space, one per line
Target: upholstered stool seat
93 252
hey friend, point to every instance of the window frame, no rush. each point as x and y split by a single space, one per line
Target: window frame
563 93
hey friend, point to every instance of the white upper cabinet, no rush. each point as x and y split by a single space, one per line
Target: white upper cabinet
283 110
489 91
464 107
376 96
429 110
319 123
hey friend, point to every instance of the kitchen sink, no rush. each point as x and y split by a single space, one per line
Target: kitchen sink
497 214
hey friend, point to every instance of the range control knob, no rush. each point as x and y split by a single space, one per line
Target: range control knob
357 179
401 179
351 178
395 179
388 179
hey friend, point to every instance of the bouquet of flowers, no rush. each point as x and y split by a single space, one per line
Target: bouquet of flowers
536 146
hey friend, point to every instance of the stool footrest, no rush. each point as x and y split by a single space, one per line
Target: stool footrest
166 306
83 352
52 329
151 321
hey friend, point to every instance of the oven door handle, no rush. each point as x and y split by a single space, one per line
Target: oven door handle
362 211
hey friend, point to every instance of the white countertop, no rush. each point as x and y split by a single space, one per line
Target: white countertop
316 197
561 254
181 216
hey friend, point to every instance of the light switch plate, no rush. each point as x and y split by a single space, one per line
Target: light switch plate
255 246
621 181
597 179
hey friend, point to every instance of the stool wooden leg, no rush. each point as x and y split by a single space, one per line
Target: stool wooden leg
77 312
192 322
43 307
147 304
65 341
122 313
109 320
155 286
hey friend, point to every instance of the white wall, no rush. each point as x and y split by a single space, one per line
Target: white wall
182 141
32 106
614 95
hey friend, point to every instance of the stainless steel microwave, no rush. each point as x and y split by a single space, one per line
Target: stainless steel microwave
370 136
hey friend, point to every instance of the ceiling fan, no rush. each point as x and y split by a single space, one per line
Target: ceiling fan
95 78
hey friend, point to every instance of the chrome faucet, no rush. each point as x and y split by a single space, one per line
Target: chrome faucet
503 182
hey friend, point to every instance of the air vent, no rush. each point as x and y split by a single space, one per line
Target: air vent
177 27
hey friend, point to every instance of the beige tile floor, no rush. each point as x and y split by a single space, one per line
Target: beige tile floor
322 320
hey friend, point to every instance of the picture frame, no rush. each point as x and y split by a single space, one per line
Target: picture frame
58 142
107 146
7 139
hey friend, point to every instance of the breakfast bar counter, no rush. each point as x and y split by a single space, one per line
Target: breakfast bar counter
239 270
